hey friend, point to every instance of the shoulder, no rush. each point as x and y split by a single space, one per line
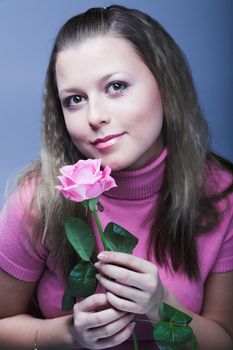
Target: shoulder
20 211
22 254
218 176
21 192
21 200
217 245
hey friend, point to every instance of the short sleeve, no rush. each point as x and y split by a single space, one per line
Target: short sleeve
224 261
20 255
224 231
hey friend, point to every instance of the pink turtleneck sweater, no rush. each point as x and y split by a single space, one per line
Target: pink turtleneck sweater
128 205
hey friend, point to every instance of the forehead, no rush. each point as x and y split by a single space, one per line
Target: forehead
98 55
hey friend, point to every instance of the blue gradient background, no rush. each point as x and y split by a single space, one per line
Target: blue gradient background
202 28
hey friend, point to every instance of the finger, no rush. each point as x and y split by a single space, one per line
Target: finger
117 338
128 260
92 303
124 305
121 290
87 320
101 318
97 317
121 275
111 328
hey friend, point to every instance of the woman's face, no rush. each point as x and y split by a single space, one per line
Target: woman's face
111 102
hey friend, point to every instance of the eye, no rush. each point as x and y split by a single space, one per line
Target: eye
73 101
116 87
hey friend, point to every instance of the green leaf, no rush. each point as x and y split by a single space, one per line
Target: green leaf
68 301
193 343
162 332
81 237
165 346
169 313
82 281
167 332
173 329
119 239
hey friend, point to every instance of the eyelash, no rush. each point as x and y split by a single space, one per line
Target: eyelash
68 101
121 85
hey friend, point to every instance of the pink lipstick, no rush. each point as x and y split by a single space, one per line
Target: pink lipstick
107 141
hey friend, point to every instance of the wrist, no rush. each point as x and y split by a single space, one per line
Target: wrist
57 333
69 336
36 334
153 313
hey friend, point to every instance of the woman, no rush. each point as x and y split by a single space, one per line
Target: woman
126 96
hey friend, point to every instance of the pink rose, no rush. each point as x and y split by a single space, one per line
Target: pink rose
84 180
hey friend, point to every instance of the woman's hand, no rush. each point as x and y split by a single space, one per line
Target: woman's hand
133 284
97 325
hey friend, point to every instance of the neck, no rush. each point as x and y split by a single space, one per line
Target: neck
140 183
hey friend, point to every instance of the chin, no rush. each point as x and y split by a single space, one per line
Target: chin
114 165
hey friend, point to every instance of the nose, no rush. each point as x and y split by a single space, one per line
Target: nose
97 114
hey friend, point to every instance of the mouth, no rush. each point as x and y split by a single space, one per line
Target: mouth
107 141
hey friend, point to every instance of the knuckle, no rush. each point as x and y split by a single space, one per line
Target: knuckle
108 331
119 304
118 288
130 258
146 298
78 322
98 298
125 275
76 308
151 285
152 270
98 319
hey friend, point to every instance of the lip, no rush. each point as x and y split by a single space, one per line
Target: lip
107 141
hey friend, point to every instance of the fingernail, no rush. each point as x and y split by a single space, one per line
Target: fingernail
102 256
132 324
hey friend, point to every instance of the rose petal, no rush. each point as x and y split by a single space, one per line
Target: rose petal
84 180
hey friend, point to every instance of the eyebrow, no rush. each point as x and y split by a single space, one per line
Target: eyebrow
101 80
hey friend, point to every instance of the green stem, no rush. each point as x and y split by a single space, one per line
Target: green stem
148 321
97 220
135 341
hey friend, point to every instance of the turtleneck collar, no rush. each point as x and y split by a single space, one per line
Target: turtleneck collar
141 183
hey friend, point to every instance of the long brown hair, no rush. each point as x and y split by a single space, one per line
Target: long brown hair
179 214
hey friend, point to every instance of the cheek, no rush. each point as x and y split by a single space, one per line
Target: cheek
155 103
147 106
149 121
146 115
75 130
